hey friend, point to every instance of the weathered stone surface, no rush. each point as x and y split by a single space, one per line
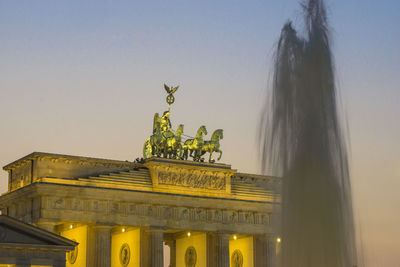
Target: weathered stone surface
170 195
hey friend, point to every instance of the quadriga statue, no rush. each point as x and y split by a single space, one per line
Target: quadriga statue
167 143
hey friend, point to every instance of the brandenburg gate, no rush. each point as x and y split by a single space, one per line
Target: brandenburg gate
199 212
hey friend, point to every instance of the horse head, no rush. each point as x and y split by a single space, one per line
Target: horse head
202 130
179 131
218 134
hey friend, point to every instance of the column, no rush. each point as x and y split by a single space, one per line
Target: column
151 247
99 246
172 254
262 253
271 241
211 249
222 249
22 262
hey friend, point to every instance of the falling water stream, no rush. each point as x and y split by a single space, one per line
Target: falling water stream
303 142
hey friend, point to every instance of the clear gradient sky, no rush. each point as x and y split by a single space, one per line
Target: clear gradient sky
85 78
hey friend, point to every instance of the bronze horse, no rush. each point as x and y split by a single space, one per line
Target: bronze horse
194 145
213 145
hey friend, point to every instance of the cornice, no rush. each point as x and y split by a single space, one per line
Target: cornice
67 159
254 178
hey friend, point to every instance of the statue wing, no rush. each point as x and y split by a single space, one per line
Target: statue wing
167 88
174 89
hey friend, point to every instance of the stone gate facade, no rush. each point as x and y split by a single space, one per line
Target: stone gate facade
131 213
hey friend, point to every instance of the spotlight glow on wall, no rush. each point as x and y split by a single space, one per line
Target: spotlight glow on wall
188 234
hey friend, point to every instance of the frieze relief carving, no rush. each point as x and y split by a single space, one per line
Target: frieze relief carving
230 216
77 204
184 214
115 207
246 217
167 212
217 215
56 202
59 203
159 211
201 214
97 205
132 209
191 178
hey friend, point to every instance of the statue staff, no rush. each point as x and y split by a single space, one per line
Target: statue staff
170 97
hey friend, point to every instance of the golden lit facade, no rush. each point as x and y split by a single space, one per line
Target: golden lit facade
129 213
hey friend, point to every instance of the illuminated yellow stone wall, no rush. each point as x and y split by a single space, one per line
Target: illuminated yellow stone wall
199 242
79 234
245 245
132 238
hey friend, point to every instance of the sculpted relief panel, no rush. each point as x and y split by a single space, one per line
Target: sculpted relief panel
193 179
159 211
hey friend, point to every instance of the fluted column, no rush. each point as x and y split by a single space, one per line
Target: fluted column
271 241
99 246
152 250
263 254
211 249
172 252
156 248
23 262
222 248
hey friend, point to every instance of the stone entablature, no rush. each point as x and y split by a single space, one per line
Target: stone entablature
38 165
52 203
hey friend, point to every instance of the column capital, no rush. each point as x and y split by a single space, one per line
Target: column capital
153 229
269 237
101 227
224 234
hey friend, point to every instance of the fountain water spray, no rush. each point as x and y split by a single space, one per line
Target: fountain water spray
302 141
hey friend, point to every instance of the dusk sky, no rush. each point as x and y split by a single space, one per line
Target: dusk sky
86 77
